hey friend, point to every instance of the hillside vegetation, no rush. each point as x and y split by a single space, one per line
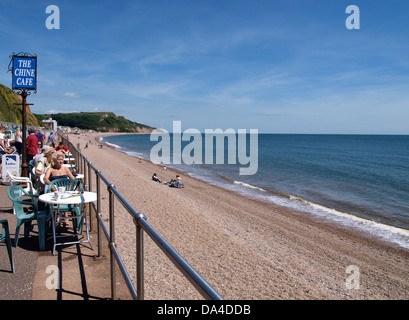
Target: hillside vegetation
9 112
98 121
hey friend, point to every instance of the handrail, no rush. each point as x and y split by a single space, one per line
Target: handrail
199 283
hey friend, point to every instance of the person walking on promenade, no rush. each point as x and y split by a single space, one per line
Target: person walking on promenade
51 139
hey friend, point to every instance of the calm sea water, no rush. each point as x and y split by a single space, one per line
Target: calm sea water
359 181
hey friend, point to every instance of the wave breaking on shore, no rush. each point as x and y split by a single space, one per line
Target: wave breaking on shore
383 231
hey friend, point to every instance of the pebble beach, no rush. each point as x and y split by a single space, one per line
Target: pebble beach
246 249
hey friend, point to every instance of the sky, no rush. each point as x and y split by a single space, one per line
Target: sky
279 66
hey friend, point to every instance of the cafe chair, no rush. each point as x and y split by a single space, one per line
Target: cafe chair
16 179
70 185
5 236
16 193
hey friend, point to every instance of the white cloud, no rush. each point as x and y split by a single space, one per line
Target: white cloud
71 95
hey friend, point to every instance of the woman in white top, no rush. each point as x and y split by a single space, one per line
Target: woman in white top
42 165
18 139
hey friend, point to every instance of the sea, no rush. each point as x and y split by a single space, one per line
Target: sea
359 182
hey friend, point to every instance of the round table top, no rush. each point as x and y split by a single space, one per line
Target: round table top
69 197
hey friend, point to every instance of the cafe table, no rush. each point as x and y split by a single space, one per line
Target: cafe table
69 197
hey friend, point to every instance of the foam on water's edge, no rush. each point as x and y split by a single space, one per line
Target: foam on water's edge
113 145
385 232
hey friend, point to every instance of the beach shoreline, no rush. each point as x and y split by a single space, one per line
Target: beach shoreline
352 223
244 248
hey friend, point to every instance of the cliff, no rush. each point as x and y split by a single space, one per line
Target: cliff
9 112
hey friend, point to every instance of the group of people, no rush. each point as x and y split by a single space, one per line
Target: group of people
47 159
8 146
36 141
175 183
49 165
16 145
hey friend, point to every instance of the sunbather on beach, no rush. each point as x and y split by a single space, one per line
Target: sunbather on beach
178 184
155 178
175 183
170 183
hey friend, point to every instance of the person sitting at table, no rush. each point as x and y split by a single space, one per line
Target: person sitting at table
57 171
42 165
62 148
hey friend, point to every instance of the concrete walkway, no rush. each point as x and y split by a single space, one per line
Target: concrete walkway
73 273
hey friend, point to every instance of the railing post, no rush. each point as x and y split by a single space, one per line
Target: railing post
90 189
84 170
139 259
77 160
112 240
98 213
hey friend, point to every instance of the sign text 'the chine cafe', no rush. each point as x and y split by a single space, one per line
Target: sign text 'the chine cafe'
24 73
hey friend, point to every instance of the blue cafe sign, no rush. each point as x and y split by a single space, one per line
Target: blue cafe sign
24 69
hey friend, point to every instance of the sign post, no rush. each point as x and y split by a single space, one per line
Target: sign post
23 67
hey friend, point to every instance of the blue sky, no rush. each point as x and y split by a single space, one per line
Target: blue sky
285 66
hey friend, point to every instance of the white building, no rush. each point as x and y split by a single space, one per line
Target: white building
50 124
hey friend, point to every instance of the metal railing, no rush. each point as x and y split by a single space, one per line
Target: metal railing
198 282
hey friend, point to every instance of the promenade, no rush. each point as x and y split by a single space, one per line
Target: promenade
81 274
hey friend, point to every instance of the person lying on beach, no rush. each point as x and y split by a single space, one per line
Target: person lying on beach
155 178
170 183
175 183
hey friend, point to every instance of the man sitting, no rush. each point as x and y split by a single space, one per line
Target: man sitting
62 148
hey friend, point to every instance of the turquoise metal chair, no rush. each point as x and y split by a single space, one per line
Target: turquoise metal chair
5 236
16 194
70 185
